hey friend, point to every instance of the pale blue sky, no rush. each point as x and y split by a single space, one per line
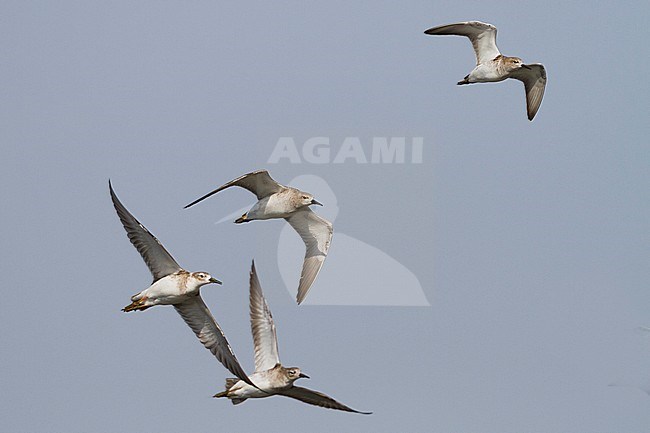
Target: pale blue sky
530 239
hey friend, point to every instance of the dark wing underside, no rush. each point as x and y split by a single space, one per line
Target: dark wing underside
157 258
318 399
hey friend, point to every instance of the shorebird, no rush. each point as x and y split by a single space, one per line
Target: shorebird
173 285
492 66
270 376
279 201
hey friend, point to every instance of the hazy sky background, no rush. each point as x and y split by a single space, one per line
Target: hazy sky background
530 239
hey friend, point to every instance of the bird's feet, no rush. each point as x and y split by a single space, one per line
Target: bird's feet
137 305
242 219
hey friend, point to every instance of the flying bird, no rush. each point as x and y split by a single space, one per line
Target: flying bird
279 201
492 66
270 376
173 285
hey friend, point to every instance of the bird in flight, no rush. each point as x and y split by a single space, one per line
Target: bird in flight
173 285
279 201
492 66
271 377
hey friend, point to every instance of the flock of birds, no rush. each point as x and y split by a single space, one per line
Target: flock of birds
173 285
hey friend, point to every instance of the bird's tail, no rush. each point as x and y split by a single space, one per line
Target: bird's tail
230 382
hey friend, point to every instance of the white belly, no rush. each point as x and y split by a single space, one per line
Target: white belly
243 390
485 73
273 206
166 291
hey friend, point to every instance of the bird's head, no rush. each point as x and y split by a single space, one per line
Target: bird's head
515 63
307 199
294 373
202 278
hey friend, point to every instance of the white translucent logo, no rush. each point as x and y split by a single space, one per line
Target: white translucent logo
322 150
355 272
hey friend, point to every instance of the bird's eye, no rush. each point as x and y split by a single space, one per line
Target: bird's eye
304 197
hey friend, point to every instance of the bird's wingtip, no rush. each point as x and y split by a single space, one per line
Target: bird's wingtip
300 297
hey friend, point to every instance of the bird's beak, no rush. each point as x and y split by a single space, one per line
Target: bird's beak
314 201
304 375
525 66
215 281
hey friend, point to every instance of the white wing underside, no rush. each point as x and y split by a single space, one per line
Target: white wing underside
316 233
197 315
265 338
482 35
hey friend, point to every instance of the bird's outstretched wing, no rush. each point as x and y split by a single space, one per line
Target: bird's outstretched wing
197 315
318 399
264 334
482 35
534 78
258 182
316 233
157 258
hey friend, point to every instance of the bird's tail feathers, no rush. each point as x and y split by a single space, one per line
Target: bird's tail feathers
230 382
